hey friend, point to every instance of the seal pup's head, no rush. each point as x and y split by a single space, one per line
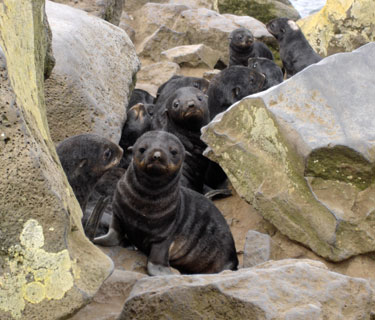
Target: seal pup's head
85 158
188 108
272 72
158 155
241 39
281 27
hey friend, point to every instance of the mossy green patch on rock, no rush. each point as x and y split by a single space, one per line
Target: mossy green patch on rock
261 11
341 163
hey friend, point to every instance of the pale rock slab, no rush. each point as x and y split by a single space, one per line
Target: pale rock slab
95 67
192 56
257 249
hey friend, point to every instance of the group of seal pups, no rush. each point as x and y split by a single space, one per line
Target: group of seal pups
160 176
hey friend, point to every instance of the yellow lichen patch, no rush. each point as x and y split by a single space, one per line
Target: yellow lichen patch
34 274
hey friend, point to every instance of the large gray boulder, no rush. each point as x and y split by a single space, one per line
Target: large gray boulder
287 289
89 87
302 153
109 10
49 269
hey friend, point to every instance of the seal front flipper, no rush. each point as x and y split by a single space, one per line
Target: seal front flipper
92 223
158 260
111 239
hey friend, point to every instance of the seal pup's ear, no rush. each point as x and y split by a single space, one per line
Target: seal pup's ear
187 153
236 91
82 163
293 25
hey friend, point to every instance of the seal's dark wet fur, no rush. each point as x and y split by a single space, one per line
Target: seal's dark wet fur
242 46
295 51
174 226
85 158
269 69
231 85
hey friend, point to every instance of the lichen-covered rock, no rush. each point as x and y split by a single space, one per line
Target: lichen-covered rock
288 289
95 68
263 10
109 10
196 55
341 26
49 269
303 155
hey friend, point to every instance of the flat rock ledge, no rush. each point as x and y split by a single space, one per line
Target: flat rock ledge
285 289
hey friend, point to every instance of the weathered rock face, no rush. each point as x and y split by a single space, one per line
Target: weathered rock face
48 267
284 148
197 55
263 10
109 10
107 303
288 289
95 67
341 26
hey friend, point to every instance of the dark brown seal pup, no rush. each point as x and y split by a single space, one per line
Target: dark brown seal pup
174 226
85 158
242 46
177 82
140 96
295 51
185 113
139 120
271 71
231 85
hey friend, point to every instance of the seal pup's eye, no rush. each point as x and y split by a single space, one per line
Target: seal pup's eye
174 152
175 104
142 150
200 98
107 154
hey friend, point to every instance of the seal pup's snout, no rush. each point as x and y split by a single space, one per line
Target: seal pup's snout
157 155
191 104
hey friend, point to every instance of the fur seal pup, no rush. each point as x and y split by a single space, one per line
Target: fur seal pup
140 96
242 46
177 82
295 51
185 113
85 158
272 72
139 120
174 226
231 85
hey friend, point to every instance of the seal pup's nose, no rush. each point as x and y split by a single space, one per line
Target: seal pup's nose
157 155
191 104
